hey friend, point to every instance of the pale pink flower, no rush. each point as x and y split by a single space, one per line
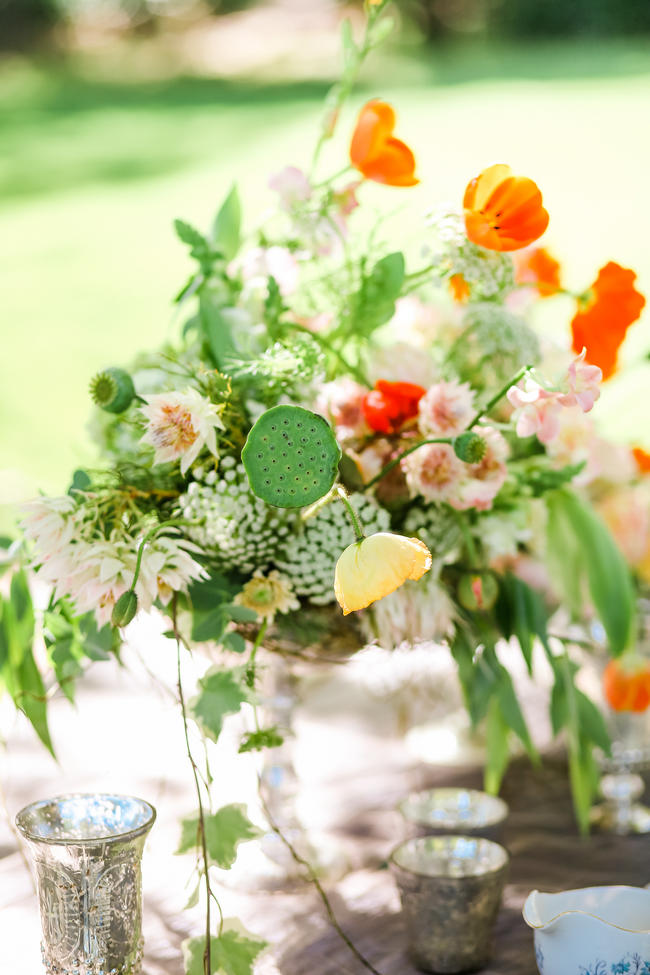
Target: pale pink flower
433 471
261 263
180 425
536 410
446 409
401 362
341 401
482 482
292 186
346 198
584 384
418 323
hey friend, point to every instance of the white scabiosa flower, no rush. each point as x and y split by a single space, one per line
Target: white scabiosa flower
180 425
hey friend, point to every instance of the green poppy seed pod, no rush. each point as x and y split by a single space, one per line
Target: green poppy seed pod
112 390
477 591
470 447
125 608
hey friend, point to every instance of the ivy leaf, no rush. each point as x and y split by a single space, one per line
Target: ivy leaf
234 641
226 230
241 614
255 741
375 301
232 953
97 644
224 831
221 693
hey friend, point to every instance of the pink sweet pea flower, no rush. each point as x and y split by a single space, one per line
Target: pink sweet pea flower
536 410
584 384
291 185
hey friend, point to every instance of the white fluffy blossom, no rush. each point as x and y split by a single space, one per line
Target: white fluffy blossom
180 425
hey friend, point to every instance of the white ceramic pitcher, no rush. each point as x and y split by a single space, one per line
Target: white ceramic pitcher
593 931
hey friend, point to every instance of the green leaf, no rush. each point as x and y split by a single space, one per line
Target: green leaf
521 612
226 230
255 741
498 752
216 589
193 899
97 644
592 723
216 330
374 303
602 563
564 555
190 235
234 642
241 614
221 693
232 953
212 607
225 830
80 481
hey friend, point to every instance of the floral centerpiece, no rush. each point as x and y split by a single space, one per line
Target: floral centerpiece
336 431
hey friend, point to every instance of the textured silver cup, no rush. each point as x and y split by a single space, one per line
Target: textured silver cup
87 851
451 888
454 811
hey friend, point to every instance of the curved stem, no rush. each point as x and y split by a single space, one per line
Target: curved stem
147 538
502 392
354 518
396 460
207 954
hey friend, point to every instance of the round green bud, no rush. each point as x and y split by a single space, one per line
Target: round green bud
125 608
477 591
112 390
470 447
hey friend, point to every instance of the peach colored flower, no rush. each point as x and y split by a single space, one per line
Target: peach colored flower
180 425
446 409
433 471
341 401
536 410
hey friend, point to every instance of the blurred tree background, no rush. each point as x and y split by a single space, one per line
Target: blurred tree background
119 115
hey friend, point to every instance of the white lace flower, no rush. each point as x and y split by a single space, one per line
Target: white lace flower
179 425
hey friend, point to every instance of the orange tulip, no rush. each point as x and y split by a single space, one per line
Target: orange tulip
503 212
540 269
642 458
611 305
627 685
459 288
376 153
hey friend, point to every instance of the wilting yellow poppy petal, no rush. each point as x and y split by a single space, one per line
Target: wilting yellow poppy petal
376 566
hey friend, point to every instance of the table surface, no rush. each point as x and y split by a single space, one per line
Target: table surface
355 781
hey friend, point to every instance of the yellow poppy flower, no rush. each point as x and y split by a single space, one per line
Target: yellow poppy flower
376 566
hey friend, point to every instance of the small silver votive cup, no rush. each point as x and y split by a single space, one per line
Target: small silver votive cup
444 811
450 888
87 851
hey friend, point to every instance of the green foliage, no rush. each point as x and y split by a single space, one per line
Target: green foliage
520 612
232 953
18 671
212 607
255 741
542 479
70 640
226 230
215 328
291 457
221 692
497 756
374 302
583 554
224 831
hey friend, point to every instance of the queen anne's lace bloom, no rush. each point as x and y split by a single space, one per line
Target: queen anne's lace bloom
233 526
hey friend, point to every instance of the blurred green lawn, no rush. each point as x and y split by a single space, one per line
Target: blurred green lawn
92 173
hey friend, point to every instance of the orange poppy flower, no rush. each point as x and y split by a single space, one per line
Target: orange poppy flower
642 459
376 153
627 685
540 269
503 212
611 305
390 405
459 288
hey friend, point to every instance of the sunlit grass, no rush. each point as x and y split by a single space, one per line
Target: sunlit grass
93 174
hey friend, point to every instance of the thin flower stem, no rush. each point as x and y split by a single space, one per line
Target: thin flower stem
207 954
502 392
356 524
147 538
313 879
327 345
396 460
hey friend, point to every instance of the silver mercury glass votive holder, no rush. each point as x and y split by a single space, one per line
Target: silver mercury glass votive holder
454 811
450 888
87 852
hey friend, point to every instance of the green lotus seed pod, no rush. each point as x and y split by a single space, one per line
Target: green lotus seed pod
125 608
470 447
112 390
291 457
477 592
